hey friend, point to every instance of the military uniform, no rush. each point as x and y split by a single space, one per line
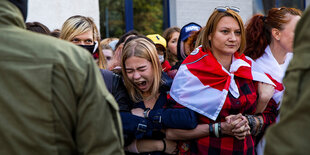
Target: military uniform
52 98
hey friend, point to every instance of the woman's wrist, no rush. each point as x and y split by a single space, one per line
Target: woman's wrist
255 123
159 145
223 127
164 145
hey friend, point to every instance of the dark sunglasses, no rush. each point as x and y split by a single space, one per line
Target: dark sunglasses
225 8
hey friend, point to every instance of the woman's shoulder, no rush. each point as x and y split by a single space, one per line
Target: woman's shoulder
196 55
166 82
108 78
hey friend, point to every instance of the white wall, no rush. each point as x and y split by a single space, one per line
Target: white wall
199 10
53 13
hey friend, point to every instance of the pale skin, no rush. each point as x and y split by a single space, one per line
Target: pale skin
84 38
265 92
108 54
149 145
172 44
140 72
117 58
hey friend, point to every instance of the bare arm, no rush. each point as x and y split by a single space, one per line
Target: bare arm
235 125
201 130
151 145
265 92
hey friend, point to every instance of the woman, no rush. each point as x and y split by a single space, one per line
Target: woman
160 44
172 35
270 44
83 31
292 129
273 44
142 126
217 81
108 53
38 27
183 48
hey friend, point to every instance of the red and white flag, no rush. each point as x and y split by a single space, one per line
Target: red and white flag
202 84
270 66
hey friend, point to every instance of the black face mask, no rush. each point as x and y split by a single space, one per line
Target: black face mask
22 5
90 48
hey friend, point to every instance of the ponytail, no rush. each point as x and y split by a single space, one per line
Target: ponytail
257 36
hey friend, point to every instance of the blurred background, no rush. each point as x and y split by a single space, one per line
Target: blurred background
115 17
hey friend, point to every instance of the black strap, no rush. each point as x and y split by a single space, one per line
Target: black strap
164 142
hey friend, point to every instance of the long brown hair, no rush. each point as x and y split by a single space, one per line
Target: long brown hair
214 19
167 34
258 29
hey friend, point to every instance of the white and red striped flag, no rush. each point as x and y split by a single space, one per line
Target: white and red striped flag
270 66
202 84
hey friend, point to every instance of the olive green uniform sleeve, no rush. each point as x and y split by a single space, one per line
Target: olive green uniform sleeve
99 128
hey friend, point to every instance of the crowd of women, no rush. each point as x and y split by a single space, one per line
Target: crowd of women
196 90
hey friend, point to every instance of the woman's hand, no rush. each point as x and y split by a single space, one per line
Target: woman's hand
137 112
237 120
241 126
236 125
242 132
231 122
117 58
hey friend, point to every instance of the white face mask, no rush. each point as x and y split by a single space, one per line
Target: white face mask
161 58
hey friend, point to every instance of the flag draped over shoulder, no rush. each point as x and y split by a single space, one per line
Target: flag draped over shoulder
274 71
202 84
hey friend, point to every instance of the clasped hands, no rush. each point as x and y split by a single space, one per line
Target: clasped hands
237 126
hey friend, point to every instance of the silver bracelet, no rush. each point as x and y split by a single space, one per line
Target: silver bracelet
216 130
145 112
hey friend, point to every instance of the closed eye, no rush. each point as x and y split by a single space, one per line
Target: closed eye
129 71
142 68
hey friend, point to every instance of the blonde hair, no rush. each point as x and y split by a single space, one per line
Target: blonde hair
77 25
214 19
142 48
106 41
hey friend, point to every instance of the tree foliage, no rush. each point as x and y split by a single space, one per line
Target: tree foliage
148 17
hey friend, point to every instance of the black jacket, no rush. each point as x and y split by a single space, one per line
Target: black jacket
115 85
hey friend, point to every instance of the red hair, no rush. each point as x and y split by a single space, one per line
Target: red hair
258 29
